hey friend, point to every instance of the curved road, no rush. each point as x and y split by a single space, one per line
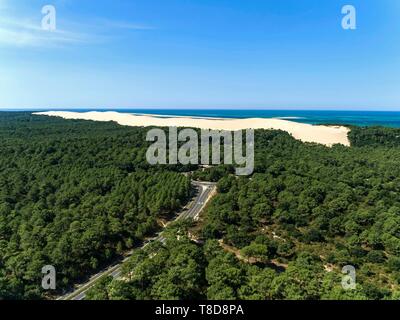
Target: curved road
204 192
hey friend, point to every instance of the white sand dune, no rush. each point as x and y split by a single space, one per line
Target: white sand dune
327 135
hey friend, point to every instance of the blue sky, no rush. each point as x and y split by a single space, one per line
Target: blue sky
200 54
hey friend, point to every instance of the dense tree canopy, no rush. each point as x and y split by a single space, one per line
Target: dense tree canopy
74 194
287 231
340 204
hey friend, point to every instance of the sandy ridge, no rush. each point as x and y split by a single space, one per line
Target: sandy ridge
326 135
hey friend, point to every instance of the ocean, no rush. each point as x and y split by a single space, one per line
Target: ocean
357 118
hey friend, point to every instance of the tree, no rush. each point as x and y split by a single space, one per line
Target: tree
100 290
256 251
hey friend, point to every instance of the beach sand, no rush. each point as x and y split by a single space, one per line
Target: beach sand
326 135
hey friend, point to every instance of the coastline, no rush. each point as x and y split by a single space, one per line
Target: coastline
321 134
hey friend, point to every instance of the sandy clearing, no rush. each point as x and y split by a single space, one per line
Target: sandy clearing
326 135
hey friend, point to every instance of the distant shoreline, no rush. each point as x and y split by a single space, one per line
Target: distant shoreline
361 118
322 134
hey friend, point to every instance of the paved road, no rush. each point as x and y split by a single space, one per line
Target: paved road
203 189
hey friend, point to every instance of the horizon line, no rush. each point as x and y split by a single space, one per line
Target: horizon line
190 109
